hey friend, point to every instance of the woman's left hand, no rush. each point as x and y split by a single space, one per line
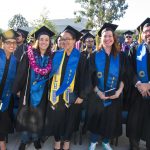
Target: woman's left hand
116 95
78 100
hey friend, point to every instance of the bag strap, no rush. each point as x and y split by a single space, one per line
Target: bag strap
25 95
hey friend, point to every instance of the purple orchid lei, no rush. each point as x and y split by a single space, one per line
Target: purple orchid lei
35 67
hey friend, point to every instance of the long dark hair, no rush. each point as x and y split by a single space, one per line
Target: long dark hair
115 47
48 50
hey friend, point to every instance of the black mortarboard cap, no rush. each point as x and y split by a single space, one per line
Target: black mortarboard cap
84 31
146 22
107 26
72 30
23 32
87 35
128 32
42 30
9 34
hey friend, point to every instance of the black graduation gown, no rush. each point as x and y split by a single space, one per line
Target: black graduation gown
20 85
19 51
6 117
138 123
63 121
105 121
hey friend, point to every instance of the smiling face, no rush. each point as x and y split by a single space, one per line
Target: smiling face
44 42
68 40
9 45
146 34
107 39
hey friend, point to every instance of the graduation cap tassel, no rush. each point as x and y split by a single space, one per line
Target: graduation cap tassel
82 46
97 42
140 36
0 42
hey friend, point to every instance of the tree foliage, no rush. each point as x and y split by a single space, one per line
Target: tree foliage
18 21
43 19
1 30
99 11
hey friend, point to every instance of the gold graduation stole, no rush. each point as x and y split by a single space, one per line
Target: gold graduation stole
56 85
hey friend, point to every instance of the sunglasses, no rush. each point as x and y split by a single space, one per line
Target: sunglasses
128 36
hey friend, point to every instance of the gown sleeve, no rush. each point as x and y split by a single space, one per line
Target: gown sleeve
21 76
132 61
81 76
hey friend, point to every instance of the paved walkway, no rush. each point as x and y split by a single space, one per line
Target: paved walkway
13 143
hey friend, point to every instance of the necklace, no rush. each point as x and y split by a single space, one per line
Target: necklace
34 66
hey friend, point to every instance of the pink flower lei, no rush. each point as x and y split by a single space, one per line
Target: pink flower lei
35 67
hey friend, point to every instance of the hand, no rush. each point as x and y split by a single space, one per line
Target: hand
18 94
148 93
143 87
78 100
102 95
116 95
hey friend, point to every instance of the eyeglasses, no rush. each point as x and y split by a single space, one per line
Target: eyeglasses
128 36
67 39
10 43
146 31
89 41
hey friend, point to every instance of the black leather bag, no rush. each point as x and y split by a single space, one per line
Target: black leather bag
28 117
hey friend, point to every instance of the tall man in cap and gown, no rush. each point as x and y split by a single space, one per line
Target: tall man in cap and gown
138 124
21 44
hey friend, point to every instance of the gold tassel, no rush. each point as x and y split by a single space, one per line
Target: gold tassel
82 46
140 36
97 41
35 45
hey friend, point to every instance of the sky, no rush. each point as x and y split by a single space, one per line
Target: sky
136 13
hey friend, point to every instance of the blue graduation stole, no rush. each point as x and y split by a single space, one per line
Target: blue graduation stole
113 74
6 95
70 71
36 93
55 66
67 85
141 63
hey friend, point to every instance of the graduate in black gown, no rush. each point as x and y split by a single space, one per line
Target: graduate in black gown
33 70
126 46
128 35
138 124
21 43
8 65
88 40
59 42
107 69
66 90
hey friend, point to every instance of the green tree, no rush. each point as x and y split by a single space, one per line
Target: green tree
99 11
17 21
1 30
43 20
